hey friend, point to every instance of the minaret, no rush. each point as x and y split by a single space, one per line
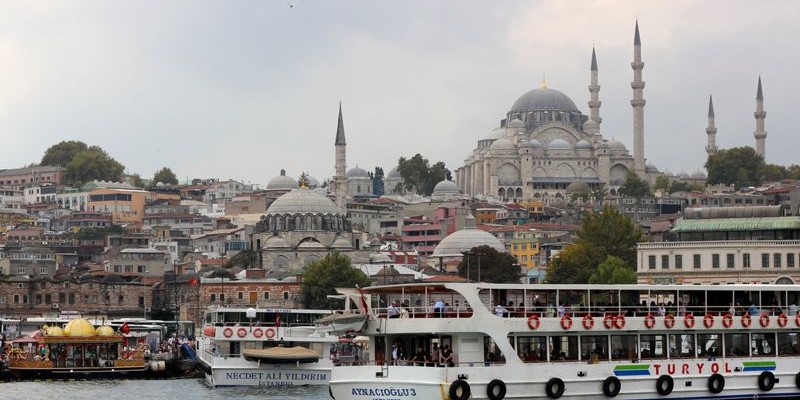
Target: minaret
711 129
760 114
341 164
638 105
593 127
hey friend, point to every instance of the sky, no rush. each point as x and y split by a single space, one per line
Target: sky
242 89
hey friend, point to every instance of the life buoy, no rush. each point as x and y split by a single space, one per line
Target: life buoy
708 320
496 390
766 381
566 322
746 320
727 320
669 321
241 332
688 320
619 321
611 386
782 320
664 385
533 322
608 321
269 333
554 388
588 321
227 332
716 383
258 333
763 320
649 321
459 390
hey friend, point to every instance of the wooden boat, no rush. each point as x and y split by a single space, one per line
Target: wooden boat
282 355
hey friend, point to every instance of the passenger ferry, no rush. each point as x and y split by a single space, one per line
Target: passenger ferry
463 341
265 347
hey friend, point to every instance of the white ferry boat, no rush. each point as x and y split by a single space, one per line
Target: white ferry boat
463 341
265 347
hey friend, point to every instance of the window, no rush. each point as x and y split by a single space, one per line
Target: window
709 345
286 295
563 348
746 260
731 260
696 260
241 295
736 345
213 297
43 271
715 261
651 262
665 262
21 270
777 257
532 349
222 297
266 295
623 347
653 346
594 347
678 261
790 260
764 260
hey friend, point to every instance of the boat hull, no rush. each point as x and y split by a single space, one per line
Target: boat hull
268 376
82 373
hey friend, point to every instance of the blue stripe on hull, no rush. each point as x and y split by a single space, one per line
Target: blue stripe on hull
631 372
748 369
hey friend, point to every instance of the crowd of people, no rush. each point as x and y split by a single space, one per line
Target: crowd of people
437 357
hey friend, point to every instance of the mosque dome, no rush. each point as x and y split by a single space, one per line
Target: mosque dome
698 175
502 144
535 144
379 258
276 242
310 181
357 172
683 175
650 168
668 174
577 187
394 173
446 187
458 242
544 99
497 133
516 124
590 125
79 327
105 330
583 145
341 243
616 145
302 201
282 182
559 144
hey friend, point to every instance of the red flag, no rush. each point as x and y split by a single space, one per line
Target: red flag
125 328
364 305
277 320
193 281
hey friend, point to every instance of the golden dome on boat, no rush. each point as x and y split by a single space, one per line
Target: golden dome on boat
79 327
105 330
54 331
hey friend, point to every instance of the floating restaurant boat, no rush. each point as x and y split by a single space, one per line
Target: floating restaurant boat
461 341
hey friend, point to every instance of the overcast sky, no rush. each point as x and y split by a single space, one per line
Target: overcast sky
241 89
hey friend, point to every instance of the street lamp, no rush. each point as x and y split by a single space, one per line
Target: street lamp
144 293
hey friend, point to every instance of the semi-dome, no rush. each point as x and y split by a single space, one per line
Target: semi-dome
583 145
502 144
496 133
302 201
616 145
698 175
357 172
535 144
282 182
577 187
683 175
458 242
446 187
559 144
516 124
544 99
394 173
79 327
276 242
105 330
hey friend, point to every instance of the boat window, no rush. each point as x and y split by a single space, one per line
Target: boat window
762 344
594 348
788 344
737 345
491 351
681 345
709 345
623 347
653 346
532 348
563 348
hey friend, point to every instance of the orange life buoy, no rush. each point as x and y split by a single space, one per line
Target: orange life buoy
782 320
619 321
228 332
764 320
270 333
533 322
688 320
649 321
566 322
746 320
669 321
727 320
258 333
708 320
588 321
608 321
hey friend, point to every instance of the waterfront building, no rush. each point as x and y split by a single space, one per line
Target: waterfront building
24 177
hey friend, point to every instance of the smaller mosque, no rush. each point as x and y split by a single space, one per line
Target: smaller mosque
454 245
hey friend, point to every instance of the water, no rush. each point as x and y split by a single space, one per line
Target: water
151 390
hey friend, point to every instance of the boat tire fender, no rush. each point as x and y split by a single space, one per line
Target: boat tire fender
459 390
716 383
496 390
554 388
766 381
797 380
664 385
611 386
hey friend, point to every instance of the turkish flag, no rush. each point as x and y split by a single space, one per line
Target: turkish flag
277 320
125 328
193 281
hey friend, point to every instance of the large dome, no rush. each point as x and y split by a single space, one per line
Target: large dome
544 99
357 173
282 182
302 201
394 173
458 242
79 327
446 187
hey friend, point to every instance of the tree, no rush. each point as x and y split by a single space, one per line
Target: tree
419 176
61 154
137 180
495 267
165 176
377 182
92 164
740 166
322 277
613 271
634 186
244 259
662 183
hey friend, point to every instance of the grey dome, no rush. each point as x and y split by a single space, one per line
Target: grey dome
650 168
282 182
302 201
380 258
698 175
559 144
577 187
536 144
497 133
357 173
458 242
683 175
544 99
446 187
394 173
583 145
616 145
502 144
590 124
516 124
312 182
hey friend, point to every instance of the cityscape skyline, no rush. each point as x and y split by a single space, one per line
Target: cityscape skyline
242 91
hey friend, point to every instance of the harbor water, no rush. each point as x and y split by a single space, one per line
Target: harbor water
169 389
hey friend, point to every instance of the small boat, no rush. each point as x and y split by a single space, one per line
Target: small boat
342 323
282 355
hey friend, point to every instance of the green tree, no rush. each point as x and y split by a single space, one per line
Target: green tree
93 164
166 176
634 186
572 264
495 267
137 181
419 176
740 166
62 153
662 183
322 277
244 259
613 271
